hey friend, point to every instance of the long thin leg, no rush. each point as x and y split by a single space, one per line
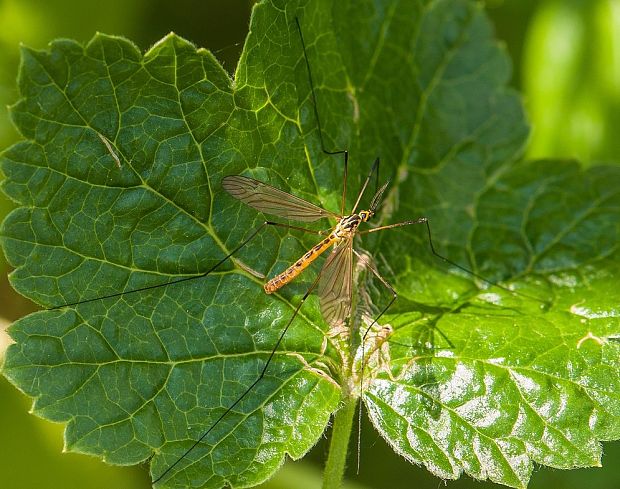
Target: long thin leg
297 228
424 220
202 275
433 327
249 389
343 152
375 167
394 297
344 182
387 286
472 273
421 220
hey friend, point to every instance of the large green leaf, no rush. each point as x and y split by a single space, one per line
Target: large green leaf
509 380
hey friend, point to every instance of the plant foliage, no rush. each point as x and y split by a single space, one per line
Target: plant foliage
508 380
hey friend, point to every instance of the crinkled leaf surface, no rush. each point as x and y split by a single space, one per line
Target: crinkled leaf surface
508 381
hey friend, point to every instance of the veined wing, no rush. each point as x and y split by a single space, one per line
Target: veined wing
335 284
270 200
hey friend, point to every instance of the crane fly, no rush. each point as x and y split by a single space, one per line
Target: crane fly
335 278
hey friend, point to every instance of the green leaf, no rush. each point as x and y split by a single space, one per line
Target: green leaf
508 380
518 385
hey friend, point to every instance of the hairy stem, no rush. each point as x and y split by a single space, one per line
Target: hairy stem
339 445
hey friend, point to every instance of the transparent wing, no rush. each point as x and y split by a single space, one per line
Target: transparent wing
335 284
270 200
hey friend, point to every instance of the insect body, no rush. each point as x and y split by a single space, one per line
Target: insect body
344 230
334 286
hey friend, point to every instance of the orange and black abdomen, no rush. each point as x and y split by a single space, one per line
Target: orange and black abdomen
299 266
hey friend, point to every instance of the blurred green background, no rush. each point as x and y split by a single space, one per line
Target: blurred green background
566 58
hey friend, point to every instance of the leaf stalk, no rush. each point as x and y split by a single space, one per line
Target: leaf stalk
339 444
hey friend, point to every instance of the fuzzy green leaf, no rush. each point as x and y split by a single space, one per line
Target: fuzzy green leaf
508 380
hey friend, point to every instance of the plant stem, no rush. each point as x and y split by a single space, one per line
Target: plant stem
339 445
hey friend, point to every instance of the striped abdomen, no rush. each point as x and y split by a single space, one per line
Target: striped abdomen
299 266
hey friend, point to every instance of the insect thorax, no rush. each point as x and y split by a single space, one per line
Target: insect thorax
348 224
